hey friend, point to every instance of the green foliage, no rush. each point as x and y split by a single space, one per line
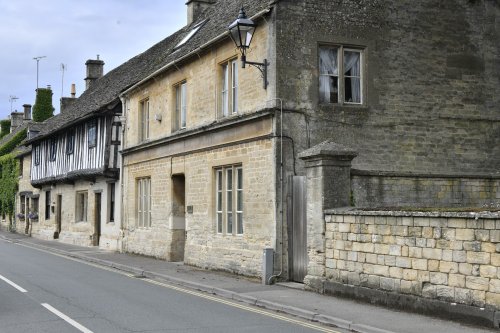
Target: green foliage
43 108
4 127
9 168
13 143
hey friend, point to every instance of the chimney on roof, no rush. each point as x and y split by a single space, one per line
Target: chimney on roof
27 111
67 101
195 8
95 70
16 120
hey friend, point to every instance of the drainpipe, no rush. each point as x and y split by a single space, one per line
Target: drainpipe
281 190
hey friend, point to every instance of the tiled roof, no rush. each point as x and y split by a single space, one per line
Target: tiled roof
105 91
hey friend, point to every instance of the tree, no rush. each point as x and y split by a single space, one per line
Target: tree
43 108
4 127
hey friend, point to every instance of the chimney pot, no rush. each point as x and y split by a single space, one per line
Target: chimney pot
73 90
27 111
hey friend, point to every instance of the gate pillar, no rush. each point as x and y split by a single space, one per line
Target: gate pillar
328 185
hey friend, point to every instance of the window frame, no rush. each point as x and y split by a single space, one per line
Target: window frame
52 149
47 205
180 107
70 142
36 153
111 201
92 133
144 107
341 86
143 203
81 208
228 96
229 195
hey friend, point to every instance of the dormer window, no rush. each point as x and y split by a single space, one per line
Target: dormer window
190 34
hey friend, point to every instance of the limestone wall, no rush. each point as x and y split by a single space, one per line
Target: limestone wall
453 257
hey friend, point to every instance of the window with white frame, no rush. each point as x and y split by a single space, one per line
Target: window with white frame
180 106
81 206
340 75
229 200
144 120
229 88
144 202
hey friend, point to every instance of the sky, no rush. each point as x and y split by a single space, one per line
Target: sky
70 32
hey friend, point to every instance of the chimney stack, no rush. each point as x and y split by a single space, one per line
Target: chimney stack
27 111
95 70
195 8
16 120
67 101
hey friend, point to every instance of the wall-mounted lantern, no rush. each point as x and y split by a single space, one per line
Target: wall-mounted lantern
241 32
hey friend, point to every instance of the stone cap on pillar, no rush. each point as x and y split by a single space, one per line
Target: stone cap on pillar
329 150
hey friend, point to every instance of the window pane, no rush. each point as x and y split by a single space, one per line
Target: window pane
352 76
183 105
328 89
229 223
328 64
234 102
240 223
229 179
219 223
225 92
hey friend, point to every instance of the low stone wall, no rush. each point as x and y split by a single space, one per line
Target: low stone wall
450 257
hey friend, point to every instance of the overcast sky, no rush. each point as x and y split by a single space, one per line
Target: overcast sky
70 32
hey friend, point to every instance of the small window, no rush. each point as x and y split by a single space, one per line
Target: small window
340 77
36 154
180 106
81 206
229 200
144 202
229 88
53 149
47 205
144 120
22 201
21 166
34 209
111 194
92 133
70 141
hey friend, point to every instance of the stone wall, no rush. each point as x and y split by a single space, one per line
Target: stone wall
407 190
451 257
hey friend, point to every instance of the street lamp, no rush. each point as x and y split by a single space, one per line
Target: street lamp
241 32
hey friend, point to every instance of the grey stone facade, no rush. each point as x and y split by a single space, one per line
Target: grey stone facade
431 96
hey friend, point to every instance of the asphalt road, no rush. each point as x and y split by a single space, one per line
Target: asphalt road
43 292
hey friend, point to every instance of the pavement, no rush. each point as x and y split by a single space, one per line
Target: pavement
289 298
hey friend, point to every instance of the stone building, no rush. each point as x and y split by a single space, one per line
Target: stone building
211 173
414 97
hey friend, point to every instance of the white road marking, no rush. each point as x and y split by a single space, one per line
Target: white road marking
66 318
13 284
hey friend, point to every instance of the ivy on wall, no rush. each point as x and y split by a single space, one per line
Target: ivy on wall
43 108
9 171
9 174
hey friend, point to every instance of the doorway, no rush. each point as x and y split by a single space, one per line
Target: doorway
178 223
97 220
297 226
58 217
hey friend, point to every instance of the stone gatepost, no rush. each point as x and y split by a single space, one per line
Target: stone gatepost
328 171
